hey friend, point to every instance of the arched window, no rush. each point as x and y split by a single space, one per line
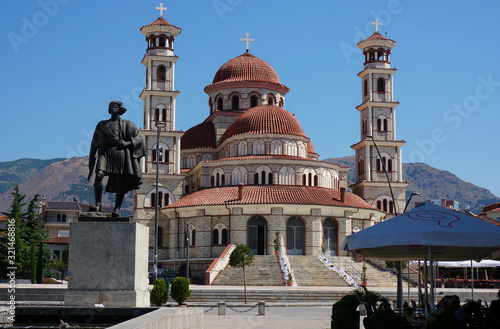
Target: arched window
380 55
302 149
239 175
162 42
153 200
379 124
304 179
160 199
192 235
389 165
206 157
191 161
378 165
170 42
218 177
384 205
315 180
256 178
361 165
286 176
235 102
381 85
270 100
291 148
212 181
276 147
215 237
253 101
391 207
262 174
154 155
365 87
258 147
157 114
152 42
165 197
310 179
224 236
219 104
242 148
270 178
164 114
166 200
371 56
161 72
327 179
219 234
365 126
281 102
160 236
384 126
379 205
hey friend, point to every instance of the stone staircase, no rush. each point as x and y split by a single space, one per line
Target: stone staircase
380 265
265 272
310 271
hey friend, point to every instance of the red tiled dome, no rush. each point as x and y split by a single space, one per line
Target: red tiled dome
200 136
265 119
376 35
310 148
246 67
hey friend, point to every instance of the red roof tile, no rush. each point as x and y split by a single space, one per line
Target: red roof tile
376 35
271 194
160 21
199 136
3 218
265 119
57 240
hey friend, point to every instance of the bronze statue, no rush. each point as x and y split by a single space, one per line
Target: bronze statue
119 147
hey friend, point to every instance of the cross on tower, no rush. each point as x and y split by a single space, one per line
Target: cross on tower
377 24
247 40
161 9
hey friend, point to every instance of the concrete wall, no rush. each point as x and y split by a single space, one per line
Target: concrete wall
171 317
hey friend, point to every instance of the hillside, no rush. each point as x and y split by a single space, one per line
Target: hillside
64 179
59 181
433 183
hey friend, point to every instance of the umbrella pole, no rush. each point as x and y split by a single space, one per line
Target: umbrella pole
408 281
426 294
431 274
419 287
471 280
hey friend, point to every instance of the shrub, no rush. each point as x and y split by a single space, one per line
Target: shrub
344 314
180 290
159 294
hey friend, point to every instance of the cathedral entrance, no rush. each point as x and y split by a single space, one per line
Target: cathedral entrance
295 236
330 235
257 231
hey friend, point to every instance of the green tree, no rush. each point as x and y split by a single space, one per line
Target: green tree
242 256
180 290
159 294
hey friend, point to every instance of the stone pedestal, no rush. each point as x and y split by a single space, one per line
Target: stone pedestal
108 263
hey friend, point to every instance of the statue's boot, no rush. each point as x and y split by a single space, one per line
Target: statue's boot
118 203
98 197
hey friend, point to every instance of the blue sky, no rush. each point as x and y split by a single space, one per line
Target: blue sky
63 61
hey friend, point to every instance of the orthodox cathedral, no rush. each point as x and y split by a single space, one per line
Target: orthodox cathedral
248 170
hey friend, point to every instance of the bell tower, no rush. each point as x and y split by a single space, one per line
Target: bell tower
159 96
378 125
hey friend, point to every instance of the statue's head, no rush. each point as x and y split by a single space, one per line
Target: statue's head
116 107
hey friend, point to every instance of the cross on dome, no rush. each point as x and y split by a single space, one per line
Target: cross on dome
247 40
377 24
161 9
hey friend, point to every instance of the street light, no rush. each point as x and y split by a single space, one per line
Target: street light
158 126
399 301
409 199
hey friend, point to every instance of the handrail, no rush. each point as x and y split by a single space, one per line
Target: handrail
285 263
218 264
343 268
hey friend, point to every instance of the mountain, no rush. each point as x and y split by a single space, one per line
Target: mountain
433 183
57 180
64 179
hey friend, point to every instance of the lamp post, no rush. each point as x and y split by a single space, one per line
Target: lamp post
408 267
409 199
399 301
158 126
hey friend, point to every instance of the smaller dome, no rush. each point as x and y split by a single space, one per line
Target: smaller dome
199 136
265 119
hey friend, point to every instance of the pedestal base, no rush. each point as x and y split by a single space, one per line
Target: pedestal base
115 298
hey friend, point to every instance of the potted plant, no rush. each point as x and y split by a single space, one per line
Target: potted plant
363 275
180 291
277 243
289 280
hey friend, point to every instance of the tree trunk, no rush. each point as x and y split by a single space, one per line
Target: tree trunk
245 283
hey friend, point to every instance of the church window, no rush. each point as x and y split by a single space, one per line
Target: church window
219 234
270 178
389 165
384 126
166 199
381 85
261 174
224 236
152 42
379 205
161 73
242 148
170 43
379 124
391 207
206 157
219 104
327 179
253 101
286 176
371 56
162 42
192 236
256 178
258 147
270 100
365 126
218 177
281 102
239 175
378 164
160 197
212 181
157 114
365 87
302 149
160 236
153 199
154 155
191 161
164 114
315 180
235 102
291 148
215 237
310 179
186 189
276 147
304 179
384 205
361 165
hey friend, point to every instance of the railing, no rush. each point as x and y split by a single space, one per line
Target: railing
218 264
285 263
343 268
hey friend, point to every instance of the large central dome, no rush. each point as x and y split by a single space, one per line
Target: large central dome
265 119
246 67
